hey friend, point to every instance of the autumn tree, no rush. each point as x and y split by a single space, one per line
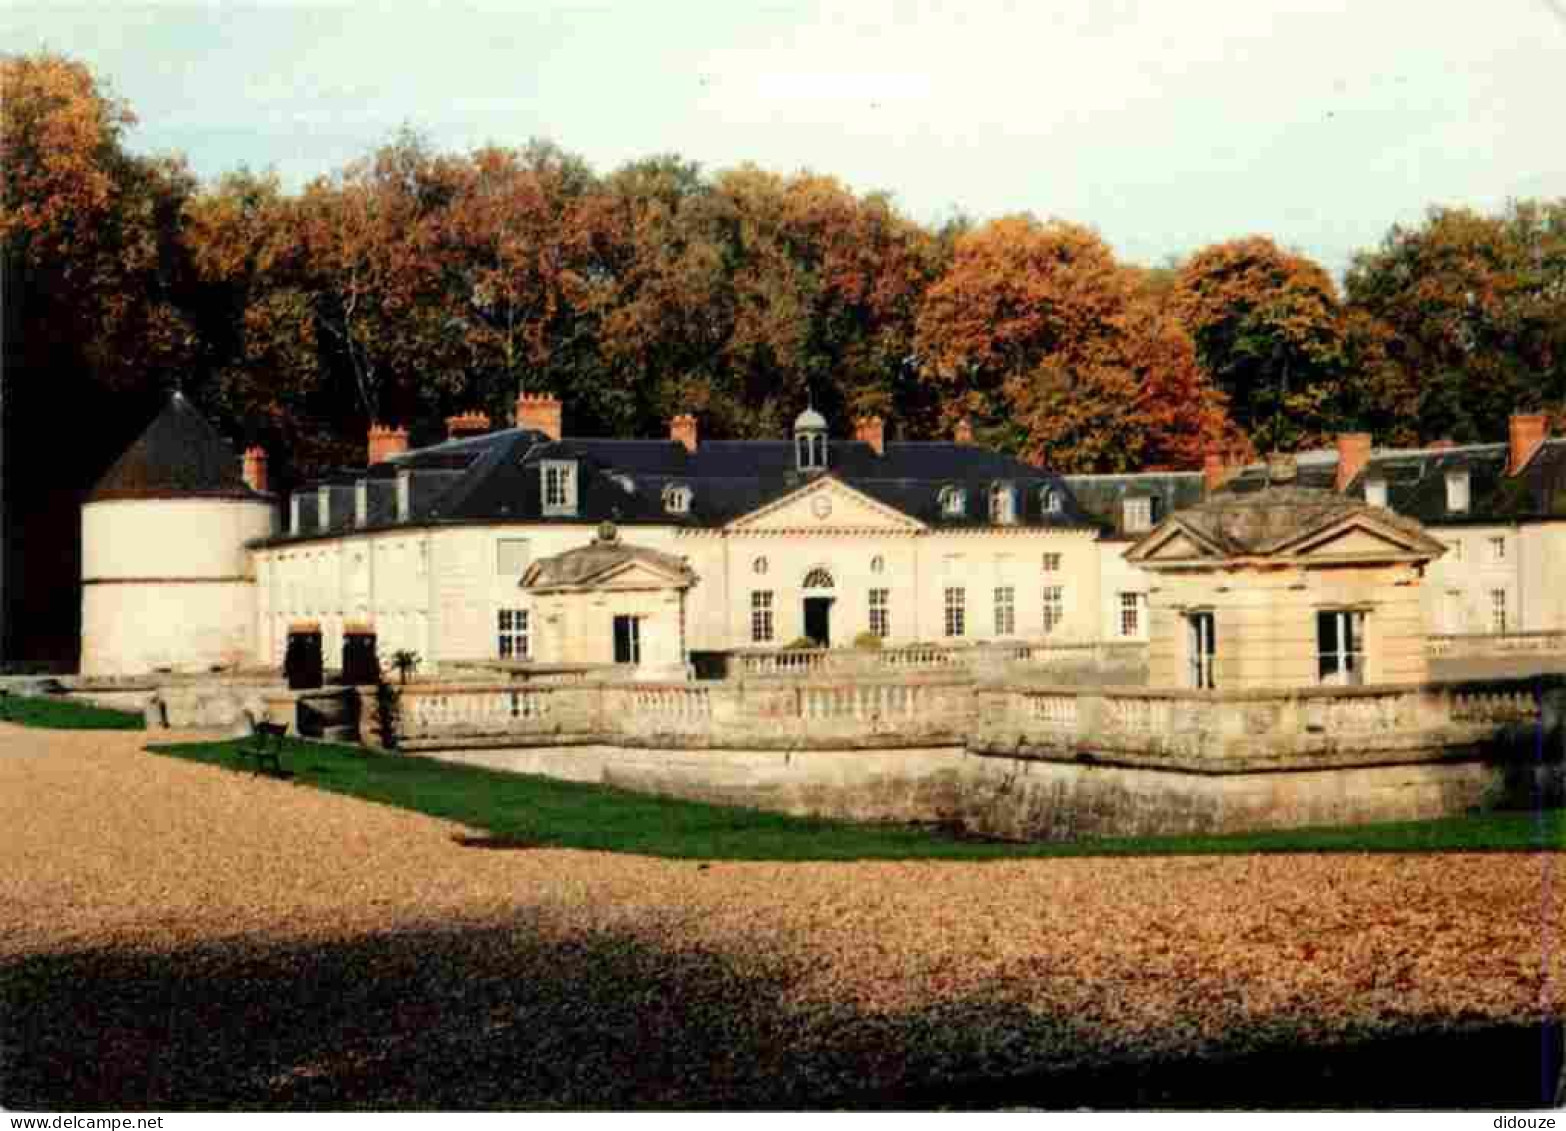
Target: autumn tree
1474 311
1058 352
367 240
1269 331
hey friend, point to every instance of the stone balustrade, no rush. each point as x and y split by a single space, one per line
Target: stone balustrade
763 715
1202 731
1487 645
1229 732
939 658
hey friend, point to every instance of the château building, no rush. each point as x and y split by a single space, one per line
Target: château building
524 544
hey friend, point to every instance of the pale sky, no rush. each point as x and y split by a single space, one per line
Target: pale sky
1165 126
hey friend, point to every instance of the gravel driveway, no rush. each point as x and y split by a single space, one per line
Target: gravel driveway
176 935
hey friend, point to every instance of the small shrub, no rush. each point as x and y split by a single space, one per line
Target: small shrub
800 642
867 642
406 662
388 714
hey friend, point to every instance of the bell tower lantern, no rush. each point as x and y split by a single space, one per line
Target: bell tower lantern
810 442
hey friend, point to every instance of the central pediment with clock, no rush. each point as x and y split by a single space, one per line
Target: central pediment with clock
825 504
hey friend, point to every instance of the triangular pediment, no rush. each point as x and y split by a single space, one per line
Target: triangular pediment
1172 541
636 575
825 505
1361 537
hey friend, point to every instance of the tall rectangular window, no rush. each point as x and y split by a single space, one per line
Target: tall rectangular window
880 612
1054 608
627 640
1498 549
1202 648
1497 610
511 557
1051 563
513 643
1005 610
761 616
559 487
1131 614
1340 647
956 611
1139 513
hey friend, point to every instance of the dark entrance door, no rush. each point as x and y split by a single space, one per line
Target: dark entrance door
627 640
818 620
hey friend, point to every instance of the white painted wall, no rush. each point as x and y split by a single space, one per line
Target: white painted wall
168 584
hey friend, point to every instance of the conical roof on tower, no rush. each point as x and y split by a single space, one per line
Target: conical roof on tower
179 454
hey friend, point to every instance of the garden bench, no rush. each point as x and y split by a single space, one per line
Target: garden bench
266 746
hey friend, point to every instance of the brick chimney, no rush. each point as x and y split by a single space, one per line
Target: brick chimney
964 432
386 441
1528 431
255 469
682 429
466 424
539 412
1353 457
871 430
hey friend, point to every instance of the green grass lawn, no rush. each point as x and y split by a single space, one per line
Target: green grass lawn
65 714
543 811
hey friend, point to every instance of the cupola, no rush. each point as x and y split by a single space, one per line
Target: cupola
810 441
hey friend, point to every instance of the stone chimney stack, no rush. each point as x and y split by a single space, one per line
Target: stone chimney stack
386 441
872 430
255 469
964 432
540 412
466 424
1528 431
1281 468
1353 457
682 430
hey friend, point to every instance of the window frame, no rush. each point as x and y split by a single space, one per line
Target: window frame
1458 498
1348 652
565 470
1499 609
1053 606
1497 548
763 625
513 627
1201 649
1005 610
677 498
955 620
880 606
1003 504
1376 493
1137 513
633 639
1131 620
1050 501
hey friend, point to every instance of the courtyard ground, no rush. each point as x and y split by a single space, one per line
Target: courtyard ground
180 935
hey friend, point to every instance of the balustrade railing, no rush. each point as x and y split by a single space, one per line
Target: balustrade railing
1194 729
905 658
1486 645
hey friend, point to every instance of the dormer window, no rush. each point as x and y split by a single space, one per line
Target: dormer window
1138 513
294 507
1003 504
559 485
1457 492
954 502
1050 501
677 498
361 503
404 495
1376 492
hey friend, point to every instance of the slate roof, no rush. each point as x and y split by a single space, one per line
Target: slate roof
1263 522
497 478
1416 481
179 454
584 563
1103 496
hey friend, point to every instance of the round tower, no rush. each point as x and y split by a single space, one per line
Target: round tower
167 583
